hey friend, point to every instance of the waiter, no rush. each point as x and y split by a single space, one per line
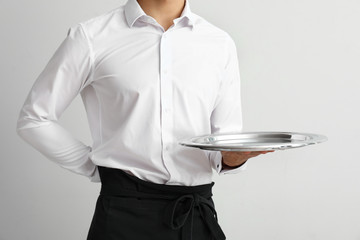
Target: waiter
150 73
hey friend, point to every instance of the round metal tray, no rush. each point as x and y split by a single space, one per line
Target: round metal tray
253 141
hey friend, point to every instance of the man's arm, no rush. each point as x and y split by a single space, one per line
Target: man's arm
227 114
63 78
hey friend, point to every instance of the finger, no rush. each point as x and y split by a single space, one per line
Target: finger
259 153
254 154
267 151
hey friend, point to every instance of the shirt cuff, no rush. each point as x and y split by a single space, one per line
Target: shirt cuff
95 177
217 160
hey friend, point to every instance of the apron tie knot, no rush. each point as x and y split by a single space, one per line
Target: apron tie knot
180 212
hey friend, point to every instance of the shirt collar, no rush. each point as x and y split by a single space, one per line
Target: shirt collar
133 12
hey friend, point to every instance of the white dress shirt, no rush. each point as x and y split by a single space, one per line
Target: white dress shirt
143 89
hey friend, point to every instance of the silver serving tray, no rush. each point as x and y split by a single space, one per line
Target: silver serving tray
253 141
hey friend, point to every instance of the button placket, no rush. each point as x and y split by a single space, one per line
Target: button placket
166 96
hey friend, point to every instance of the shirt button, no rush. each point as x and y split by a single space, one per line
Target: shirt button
165 71
164 36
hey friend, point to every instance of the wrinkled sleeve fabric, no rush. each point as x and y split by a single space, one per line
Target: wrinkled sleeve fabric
63 78
227 113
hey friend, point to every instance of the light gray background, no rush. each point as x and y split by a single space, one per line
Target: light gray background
299 64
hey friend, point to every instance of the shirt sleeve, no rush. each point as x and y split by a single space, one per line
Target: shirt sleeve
65 75
227 113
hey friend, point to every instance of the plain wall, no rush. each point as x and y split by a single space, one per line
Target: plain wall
300 68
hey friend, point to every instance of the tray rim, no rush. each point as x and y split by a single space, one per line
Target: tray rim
314 139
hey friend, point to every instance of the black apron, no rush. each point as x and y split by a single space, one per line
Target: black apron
129 208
